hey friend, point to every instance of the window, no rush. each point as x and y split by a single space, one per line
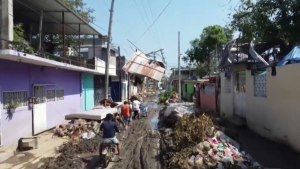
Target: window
50 95
260 86
18 96
185 87
39 94
84 54
60 94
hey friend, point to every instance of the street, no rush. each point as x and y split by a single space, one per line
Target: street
139 144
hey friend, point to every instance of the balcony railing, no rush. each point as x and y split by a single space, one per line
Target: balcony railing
71 57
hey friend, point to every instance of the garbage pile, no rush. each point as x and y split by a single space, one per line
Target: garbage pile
169 115
77 129
68 155
174 98
195 142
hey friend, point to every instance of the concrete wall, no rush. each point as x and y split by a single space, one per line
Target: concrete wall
187 94
7 23
275 116
226 99
98 50
208 97
16 76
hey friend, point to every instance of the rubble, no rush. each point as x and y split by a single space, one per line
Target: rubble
169 115
77 129
174 98
67 157
190 139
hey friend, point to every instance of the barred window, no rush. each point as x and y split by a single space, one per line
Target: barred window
39 93
19 96
60 94
50 95
260 85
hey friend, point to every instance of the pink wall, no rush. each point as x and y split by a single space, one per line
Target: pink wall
207 97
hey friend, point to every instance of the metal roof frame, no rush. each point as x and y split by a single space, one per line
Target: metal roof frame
26 11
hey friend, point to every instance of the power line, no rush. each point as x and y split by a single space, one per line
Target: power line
151 30
99 27
143 18
155 20
155 29
127 31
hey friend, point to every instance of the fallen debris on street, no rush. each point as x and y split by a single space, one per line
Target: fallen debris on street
68 158
191 140
77 129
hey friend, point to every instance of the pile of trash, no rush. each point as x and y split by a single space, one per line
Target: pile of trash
77 129
195 142
68 158
169 115
174 98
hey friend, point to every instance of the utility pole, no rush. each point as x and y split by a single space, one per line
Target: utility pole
120 75
108 49
179 73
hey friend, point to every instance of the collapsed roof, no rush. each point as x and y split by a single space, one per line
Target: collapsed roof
242 50
142 65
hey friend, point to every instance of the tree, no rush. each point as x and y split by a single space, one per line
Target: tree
271 21
80 7
203 50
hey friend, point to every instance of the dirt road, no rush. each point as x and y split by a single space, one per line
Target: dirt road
139 144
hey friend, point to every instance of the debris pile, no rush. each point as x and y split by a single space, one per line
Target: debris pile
169 115
195 142
77 129
68 155
174 98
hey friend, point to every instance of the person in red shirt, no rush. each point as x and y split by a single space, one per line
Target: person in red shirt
125 111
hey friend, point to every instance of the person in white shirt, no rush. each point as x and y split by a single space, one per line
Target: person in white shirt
136 107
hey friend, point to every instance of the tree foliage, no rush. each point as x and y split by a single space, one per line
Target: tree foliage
80 7
275 21
203 49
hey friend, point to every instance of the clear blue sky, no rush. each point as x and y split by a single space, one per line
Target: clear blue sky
187 16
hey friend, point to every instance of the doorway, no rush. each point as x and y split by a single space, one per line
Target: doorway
240 94
39 110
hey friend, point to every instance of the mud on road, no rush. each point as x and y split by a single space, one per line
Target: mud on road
139 144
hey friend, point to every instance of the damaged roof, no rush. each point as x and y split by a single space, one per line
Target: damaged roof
241 50
142 65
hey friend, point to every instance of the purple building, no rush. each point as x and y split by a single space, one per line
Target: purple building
60 80
57 90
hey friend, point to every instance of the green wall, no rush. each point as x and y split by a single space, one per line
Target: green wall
87 91
187 89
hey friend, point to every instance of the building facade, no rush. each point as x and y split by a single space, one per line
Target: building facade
38 88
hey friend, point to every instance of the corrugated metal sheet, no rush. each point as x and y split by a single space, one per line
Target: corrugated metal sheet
140 64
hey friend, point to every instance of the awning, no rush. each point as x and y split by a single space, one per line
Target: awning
140 64
27 11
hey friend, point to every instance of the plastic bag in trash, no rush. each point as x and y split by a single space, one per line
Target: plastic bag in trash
192 160
88 136
227 159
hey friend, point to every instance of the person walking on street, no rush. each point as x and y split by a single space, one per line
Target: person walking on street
136 107
131 111
125 111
